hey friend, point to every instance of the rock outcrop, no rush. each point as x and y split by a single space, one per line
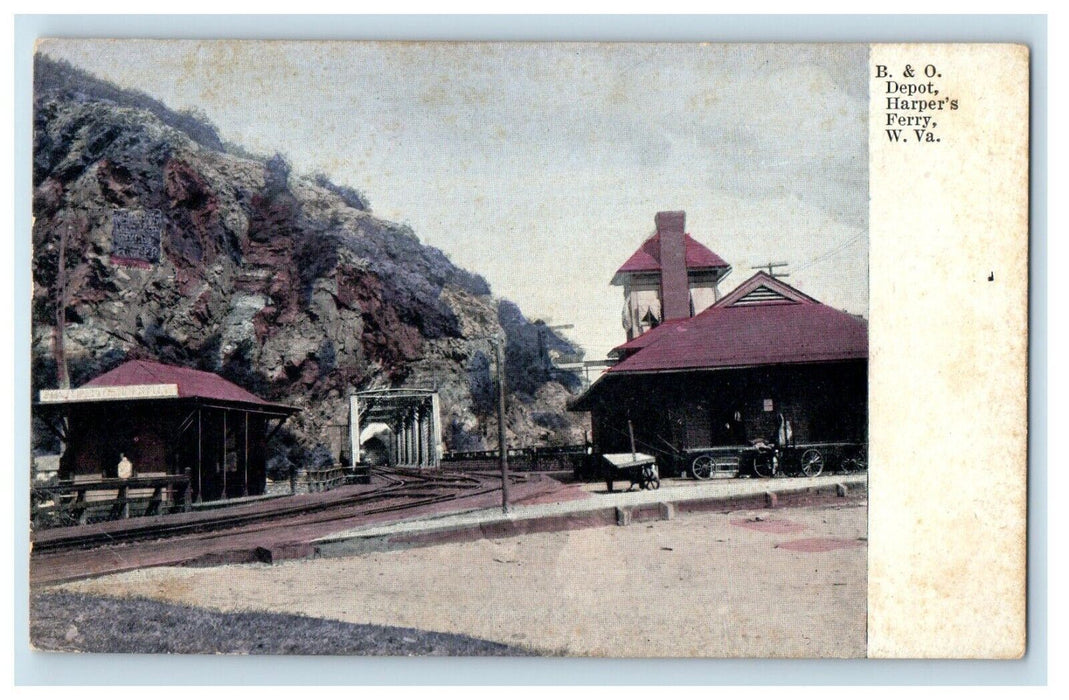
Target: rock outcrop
286 285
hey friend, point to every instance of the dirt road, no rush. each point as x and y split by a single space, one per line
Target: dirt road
763 583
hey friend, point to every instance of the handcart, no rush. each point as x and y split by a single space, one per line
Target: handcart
640 469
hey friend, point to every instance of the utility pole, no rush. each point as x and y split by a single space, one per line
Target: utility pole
59 351
543 353
769 266
502 448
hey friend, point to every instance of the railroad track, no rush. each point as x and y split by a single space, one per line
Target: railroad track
400 490
267 531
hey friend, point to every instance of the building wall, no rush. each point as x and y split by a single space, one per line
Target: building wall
642 293
101 434
704 290
825 402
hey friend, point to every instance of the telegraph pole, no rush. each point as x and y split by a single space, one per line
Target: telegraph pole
543 353
771 272
502 448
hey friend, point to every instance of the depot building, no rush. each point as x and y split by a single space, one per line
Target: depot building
701 370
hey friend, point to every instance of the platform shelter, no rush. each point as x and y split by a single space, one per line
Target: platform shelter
150 419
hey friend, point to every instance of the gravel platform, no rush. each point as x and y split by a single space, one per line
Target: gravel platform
762 583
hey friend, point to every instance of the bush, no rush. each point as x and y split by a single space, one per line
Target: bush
353 198
52 78
278 468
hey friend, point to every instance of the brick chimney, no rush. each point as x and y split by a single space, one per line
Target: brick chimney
675 292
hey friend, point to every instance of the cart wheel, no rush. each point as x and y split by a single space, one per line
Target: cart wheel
762 465
854 464
702 467
655 483
812 463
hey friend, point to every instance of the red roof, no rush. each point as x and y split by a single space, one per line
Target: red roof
191 383
635 344
648 257
762 322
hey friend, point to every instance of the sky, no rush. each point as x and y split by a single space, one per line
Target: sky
541 165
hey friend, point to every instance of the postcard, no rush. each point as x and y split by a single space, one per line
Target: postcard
540 349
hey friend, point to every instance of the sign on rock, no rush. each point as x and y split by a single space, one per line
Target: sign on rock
135 236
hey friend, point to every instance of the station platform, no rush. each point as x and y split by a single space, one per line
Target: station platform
599 508
357 519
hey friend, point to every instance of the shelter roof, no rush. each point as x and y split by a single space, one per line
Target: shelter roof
637 343
142 379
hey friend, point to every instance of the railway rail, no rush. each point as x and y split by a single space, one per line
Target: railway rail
397 490
266 531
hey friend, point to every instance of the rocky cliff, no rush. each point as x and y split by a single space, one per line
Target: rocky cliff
286 285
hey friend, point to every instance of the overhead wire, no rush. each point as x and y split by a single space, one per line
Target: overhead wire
830 253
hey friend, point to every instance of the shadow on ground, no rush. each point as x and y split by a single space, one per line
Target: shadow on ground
86 623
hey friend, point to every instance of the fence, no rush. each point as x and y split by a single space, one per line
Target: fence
327 478
324 479
70 502
563 458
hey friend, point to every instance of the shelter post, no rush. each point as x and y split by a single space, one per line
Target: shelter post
224 464
245 454
200 456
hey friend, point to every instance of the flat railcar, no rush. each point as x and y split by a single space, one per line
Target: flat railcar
764 459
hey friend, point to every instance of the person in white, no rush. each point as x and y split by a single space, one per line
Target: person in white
126 467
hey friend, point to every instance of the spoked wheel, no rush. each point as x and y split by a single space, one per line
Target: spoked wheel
649 479
854 464
702 467
812 462
762 465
